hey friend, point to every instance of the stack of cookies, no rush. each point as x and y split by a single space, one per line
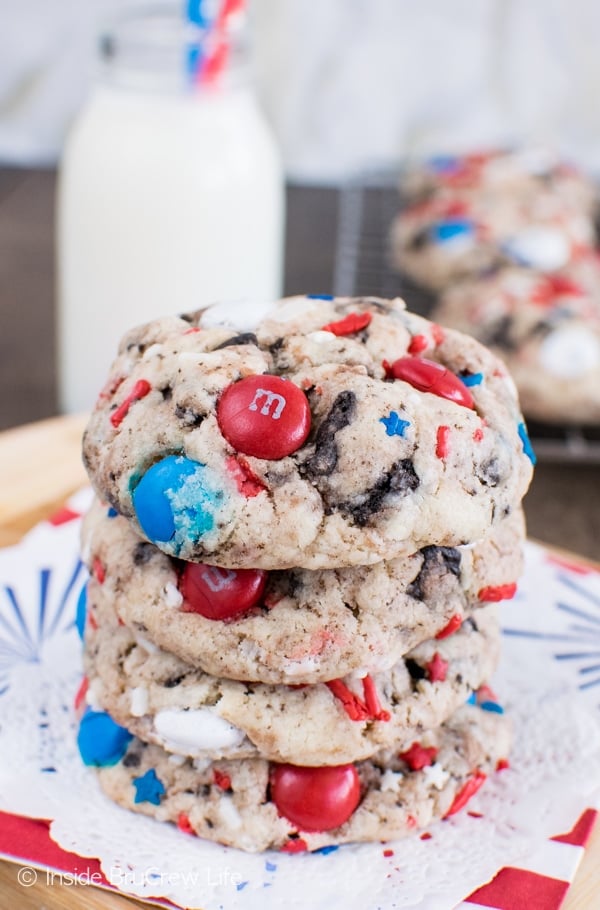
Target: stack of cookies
506 242
304 523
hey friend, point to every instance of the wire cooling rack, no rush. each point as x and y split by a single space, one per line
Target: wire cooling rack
367 207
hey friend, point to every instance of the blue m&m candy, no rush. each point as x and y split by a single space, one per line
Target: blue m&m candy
100 740
176 500
80 611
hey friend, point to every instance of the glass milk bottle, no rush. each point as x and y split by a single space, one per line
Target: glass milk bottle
170 196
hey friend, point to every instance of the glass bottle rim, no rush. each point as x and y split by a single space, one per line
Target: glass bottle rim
151 46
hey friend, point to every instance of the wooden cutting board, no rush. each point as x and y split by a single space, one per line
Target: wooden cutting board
40 466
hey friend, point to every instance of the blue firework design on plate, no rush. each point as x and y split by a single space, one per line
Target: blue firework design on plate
565 622
30 616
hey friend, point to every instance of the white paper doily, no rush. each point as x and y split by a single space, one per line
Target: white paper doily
549 683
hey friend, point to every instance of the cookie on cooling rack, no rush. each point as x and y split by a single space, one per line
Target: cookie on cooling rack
547 330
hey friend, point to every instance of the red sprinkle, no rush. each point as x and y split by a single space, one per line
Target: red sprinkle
418 344
98 570
502 764
454 624
140 390
81 693
411 821
495 593
388 852
437 668
372 701
418 756
194 329
478 434
248 484
486 693
455 209
442 444
464 795
91 620
222 780
351 323
426 836
109 388
438 333
351 703
556 286
354 707
294 846
184 824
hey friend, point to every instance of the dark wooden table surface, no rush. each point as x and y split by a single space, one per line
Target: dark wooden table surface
563 506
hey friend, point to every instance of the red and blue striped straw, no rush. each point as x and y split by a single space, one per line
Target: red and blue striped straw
207 55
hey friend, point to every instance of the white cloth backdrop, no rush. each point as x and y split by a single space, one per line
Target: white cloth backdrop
347 84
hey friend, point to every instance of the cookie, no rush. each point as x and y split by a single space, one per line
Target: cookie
525 172
303 626
165 701
464 215
256 805
329 433
547 330
452 235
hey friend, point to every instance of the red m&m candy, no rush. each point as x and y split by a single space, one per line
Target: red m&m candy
315 799
429 376
265 416
218 593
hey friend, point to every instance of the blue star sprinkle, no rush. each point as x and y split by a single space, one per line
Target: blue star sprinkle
148 788
394 425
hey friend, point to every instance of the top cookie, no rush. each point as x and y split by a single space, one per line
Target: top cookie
328 433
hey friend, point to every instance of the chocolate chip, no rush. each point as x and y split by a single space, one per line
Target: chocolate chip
142 553
131 759
173 681
489 472
188 416
276 346
416 671
244 338
420 239
436 560
324 458
401 478
167 393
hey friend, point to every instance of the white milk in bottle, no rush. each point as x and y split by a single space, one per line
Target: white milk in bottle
170 197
